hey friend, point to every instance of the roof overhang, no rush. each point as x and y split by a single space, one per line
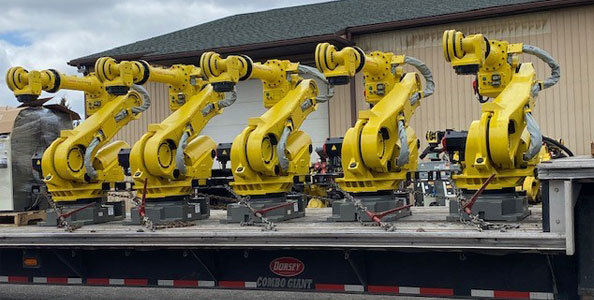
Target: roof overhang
497 11
301 49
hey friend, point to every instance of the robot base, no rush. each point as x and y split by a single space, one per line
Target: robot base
237 213
172 210
102 212
344 210
494 206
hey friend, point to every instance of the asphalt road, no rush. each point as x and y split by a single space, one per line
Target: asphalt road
31 292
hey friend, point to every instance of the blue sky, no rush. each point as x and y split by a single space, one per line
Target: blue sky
15 38
41 35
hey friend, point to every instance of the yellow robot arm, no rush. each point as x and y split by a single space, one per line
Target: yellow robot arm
381 148
27 86
172 154
80 162
506 140
271 151
183 80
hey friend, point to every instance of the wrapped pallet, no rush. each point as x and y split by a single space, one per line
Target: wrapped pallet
25 132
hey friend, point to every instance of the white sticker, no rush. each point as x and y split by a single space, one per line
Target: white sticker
295 206
448 190
197 208
110 210
100 214
189 215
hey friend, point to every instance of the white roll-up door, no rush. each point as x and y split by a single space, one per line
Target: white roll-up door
226 126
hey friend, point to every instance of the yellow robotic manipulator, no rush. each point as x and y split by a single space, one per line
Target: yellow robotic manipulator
506 141
381 149
81 165
271 153
172 157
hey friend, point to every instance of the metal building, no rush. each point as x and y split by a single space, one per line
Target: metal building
565 28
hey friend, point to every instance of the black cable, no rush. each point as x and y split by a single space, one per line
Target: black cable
35 203
556 143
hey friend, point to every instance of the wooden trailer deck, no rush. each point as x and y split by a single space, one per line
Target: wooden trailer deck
425 229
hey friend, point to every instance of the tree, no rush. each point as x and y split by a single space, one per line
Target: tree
64 102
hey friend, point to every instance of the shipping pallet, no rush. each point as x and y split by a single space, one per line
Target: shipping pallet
22 218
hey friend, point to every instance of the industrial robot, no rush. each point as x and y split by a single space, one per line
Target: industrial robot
381 149
271 153
171 159
506 142
81 165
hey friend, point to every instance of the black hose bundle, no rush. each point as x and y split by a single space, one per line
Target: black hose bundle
556 144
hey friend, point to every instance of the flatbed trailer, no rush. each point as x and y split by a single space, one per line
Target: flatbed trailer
550 255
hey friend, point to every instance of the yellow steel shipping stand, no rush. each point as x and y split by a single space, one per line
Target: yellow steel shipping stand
80 166
381 148
271 153
172 156
506 141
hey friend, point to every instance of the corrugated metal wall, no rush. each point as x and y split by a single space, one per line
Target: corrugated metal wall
564 111
339 111
158 111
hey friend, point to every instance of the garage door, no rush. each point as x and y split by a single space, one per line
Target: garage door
226 126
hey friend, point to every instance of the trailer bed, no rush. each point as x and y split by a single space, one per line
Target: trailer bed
425 256
425 229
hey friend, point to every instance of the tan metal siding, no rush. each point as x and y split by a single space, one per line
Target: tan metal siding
158 111
565 111
339 111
